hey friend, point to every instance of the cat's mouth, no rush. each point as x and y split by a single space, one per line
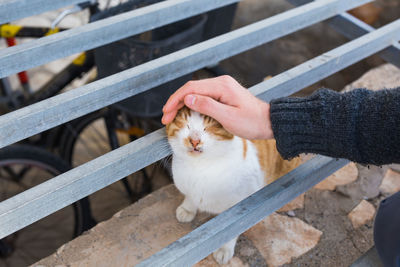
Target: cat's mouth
195 150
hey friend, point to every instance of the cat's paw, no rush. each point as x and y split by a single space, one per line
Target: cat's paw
223 255
183 215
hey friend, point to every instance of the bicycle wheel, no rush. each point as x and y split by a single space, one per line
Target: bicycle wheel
90 137
22 167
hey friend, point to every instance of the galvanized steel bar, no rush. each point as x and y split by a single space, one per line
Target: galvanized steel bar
11 10
369 259
105 31
352 28
213 234
52 195
328 63
19 211
54 111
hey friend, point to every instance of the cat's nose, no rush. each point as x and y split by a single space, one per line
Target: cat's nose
194 142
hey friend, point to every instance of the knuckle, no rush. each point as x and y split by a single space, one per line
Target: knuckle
227 79
189 84
228 83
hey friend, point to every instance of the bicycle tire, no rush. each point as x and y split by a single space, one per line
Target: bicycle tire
22 167
85 139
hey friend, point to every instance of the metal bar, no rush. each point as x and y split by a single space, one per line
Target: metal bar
52 195
105 31
55 194
369 259
328 63
16 9
213 234
57 110
352 28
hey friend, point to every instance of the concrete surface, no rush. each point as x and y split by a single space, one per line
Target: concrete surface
142 229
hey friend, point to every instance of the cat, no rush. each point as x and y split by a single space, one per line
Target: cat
214 169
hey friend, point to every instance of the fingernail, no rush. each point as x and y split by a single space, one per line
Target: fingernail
190 100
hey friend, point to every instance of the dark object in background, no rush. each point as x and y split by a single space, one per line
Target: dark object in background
219 21
387 231
369 13
135 50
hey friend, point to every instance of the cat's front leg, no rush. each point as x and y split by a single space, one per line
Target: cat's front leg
186 211
225 253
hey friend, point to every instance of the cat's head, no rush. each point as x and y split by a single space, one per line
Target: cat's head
197 135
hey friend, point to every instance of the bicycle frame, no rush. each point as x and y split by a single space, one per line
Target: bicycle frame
80 65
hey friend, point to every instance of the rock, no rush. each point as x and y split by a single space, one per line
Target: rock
291 213
385 76
210 262
361 214
280 238
390 183
367 184
345 175
297 203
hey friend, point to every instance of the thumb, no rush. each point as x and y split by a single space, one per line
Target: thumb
208 106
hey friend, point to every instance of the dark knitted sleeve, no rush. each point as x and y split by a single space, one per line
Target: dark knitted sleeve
360 125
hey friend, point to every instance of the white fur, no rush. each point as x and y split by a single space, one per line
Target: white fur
215 179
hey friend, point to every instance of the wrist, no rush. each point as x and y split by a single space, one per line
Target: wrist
266 130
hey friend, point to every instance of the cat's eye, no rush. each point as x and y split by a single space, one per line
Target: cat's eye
188 126
205 128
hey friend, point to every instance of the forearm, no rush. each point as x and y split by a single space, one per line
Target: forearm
361 125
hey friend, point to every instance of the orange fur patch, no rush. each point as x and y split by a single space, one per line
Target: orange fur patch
244 148
271 162
179 121
215 128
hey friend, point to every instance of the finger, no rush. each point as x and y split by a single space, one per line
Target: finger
169 116
210 107
209 87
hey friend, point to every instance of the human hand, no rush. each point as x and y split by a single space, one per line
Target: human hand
225 100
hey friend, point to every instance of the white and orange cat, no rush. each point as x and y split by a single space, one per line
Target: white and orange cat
215 169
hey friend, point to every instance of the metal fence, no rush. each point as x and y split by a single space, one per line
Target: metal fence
44 199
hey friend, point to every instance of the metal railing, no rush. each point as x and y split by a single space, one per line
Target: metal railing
44 199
